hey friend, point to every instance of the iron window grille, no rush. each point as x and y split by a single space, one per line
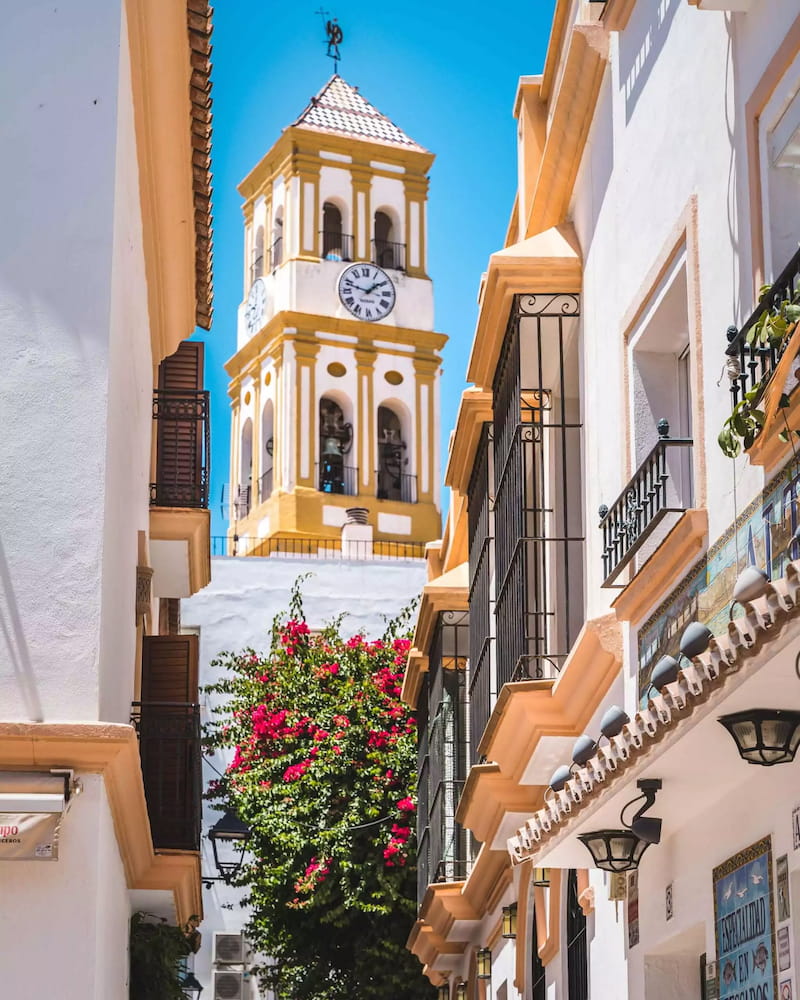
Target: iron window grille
481 610
537 472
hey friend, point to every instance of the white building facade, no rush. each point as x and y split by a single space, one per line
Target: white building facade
658 192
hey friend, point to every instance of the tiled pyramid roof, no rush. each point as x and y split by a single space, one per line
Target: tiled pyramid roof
340 110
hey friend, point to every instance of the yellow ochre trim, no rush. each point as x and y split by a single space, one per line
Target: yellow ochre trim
474 411
192 525
488 795
111 750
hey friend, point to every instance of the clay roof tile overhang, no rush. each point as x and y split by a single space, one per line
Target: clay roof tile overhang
199 25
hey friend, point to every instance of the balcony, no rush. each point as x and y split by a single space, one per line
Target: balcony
660 486
337 479
170 751
442 850
183 449
336 245
389 255
758 352
391 486
481 617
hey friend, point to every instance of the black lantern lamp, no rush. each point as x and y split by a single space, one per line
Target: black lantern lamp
228 838
483 963
190 987
622 850
765 736
510 921
541 877
461 991
444 991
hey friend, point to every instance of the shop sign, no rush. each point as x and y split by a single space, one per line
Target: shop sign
744 925
761 535
782 870
29 836
784 950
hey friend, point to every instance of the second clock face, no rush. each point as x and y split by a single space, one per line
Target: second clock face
366 291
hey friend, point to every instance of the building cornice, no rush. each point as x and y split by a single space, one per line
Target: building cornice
474 411
111 750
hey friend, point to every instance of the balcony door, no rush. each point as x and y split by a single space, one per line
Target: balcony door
178 411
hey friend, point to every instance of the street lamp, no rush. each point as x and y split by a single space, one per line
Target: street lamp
621 850
190 985
510 921
228 838
483 963
764 736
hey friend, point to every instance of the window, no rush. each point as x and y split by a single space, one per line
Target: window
386 250
257 269
243 494
335 440
332 237
779 155
267 450
276 250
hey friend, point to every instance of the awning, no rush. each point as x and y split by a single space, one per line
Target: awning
32 804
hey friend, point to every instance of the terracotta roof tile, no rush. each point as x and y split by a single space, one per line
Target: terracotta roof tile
340 110
199 25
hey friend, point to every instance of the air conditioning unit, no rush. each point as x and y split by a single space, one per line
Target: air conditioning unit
229 985
228 948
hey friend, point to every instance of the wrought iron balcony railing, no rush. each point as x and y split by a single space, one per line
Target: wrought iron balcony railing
183 449
170 751
661 485
442 850
336 245
342 479
395 487
315 548
387 254
751 364
481 602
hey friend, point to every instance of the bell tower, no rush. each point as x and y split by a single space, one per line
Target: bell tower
335 382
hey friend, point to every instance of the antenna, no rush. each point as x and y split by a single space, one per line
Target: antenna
335 37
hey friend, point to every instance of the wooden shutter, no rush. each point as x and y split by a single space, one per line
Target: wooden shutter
180 432
169 740
170 668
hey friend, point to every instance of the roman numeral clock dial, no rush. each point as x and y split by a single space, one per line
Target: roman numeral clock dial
366 291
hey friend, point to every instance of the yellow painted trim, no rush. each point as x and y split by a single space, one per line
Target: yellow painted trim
366 428
416 666
111 750
160 81
527 710
488 795
474 411
549 262
282 326
665 567
490 877
547 913
192 525
571 118
555 46
524 916
295 139
449 592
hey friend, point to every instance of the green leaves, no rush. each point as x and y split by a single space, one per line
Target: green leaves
323 770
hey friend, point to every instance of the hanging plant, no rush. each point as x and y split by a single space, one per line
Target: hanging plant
156 949
773 330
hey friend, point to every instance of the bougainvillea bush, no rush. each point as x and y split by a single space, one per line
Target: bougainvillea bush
323 771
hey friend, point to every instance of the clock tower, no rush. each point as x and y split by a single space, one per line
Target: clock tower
335 381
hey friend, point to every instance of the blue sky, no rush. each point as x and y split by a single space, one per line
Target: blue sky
445 73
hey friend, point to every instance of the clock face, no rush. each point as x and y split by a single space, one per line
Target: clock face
256 303
366 291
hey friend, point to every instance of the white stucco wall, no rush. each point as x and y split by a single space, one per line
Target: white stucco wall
73 329
235 612
66 930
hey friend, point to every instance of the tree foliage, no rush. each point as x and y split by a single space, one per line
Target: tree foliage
323 772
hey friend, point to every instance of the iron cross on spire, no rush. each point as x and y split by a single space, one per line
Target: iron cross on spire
335 36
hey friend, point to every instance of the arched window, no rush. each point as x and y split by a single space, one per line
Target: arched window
335 440
332 238
257 269
241 501
276 250
383 240
391 481
577 965
267 450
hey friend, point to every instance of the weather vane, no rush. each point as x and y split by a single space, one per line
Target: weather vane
335 36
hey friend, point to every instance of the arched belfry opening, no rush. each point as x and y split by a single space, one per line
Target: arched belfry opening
335 243
257 270
335 441
266 481
392 481
276 249
243 496
387 251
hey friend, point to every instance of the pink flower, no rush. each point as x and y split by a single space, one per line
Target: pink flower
406 805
